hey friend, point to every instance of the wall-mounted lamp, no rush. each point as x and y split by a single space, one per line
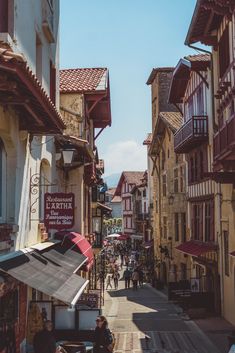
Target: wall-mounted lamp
68 152
171 199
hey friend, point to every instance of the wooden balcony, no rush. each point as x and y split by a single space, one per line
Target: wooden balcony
191 134
224 144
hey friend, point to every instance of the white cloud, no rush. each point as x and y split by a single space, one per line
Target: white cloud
124 155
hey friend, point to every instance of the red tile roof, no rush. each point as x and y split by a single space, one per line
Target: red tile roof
133 178
148 139
198 57
196 248
15 65
173 119
83 80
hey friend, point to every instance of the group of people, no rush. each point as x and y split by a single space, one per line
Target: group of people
44 340
133 273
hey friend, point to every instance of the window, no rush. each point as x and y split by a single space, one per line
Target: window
224 55
198 165
182 179
165 227
226 254
176 180
183 227
163 159
164 185
176 226
208 217
200 101
144 193
52 82
7 13
196 221
190 108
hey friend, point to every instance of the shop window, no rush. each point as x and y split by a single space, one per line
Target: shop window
176 226
226 253
9 306
224 55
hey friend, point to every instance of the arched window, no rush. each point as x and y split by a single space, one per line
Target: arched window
2 181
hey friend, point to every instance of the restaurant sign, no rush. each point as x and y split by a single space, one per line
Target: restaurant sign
59 210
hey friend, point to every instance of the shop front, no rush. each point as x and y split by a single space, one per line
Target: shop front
51 272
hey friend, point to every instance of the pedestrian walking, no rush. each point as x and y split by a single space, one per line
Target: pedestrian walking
109 283
103 336
44 340
115 279
127 277
135 279
141 277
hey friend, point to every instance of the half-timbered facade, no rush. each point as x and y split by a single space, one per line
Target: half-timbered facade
190 88
126 183
213 25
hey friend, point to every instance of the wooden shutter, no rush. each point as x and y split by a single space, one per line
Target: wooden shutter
192 221
52 82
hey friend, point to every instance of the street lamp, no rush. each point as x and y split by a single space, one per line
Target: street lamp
68 151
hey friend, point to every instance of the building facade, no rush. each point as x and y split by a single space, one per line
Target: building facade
213 25
126 183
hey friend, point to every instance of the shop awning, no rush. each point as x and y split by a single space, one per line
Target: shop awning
196 248
49 278
68 259
77 242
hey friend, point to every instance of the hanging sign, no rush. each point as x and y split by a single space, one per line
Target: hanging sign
59 210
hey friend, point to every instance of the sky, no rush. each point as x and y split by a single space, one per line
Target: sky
130 38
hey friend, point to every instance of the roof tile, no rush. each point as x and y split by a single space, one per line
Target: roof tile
83 80
173 119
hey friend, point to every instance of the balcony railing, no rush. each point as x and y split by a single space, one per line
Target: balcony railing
224 141
191 133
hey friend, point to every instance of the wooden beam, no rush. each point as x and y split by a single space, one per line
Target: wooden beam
33 114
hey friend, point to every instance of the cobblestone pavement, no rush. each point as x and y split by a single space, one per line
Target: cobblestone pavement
134 315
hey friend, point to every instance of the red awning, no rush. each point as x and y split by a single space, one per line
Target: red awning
196 248
76 241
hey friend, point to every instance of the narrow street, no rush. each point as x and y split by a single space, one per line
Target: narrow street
131 315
